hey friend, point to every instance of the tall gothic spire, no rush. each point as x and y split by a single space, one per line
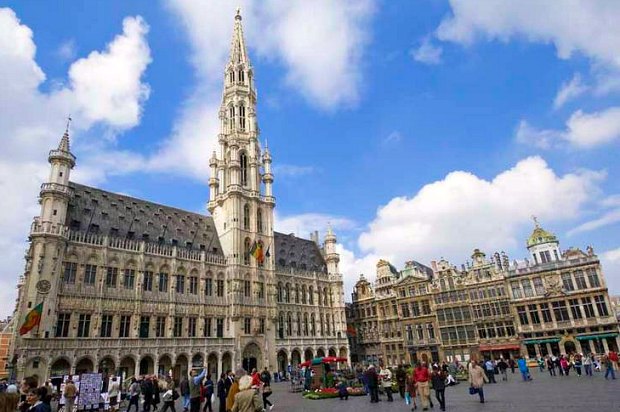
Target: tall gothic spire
64 142
238 51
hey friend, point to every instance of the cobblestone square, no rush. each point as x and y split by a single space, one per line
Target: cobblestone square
543 393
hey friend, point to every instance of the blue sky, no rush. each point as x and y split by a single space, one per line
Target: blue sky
421 129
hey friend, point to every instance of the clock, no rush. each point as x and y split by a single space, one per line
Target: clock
43 286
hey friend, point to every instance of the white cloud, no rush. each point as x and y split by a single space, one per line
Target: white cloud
352 267
454 215
392 138
106 85
569 91
284 170
606 219
588 27
583 130
304 224
67 50
610 260
104 88
427 52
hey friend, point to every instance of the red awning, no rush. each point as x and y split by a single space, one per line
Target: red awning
504 346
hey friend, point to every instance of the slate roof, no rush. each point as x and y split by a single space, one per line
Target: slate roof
112 214
295 252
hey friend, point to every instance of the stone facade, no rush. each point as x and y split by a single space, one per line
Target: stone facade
551 302
137 287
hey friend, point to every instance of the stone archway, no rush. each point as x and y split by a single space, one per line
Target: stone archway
226 362
570 347
60 367
295 358
164 364
252 357
343 352
127 367
84 365
107 366
282 361
212 366
147 365
308 355
332 352
179 371
320 353
198 361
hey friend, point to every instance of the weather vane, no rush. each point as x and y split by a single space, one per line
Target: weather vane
68 123
535 219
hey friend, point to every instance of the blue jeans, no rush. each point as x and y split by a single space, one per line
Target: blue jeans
525 375
588 369
610 370
186 401
481 394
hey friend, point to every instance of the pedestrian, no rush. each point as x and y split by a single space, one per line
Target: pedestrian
587 364
512 364
558 364
246 399
503 369
523 368
411 391
438 379
343 392
194 389
613 357
477 378
490 370
134 394
208 393
169 396
156 398
541 364
578 363
401 380
386 382
422 377
234 388
147 393
550 366
185 393
70 393
372 380
265 378
222 392
35 400
564 365
610 367
113 393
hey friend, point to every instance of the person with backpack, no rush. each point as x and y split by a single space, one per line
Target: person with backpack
134 395
207 393
170 396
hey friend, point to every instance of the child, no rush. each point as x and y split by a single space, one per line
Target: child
342 391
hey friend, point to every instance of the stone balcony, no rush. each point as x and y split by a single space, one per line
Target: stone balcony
109 344
56 188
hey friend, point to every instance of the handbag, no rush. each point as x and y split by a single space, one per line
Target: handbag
472 390
267 389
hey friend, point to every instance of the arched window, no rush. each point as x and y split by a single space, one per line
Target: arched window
296 293
281 326
259 221
305 324
243 160
241 76
298 324
246 251
311 295
246 217
303 294
324 296
312 325
231 77
288 293
242 117
231 117
289 325
279 292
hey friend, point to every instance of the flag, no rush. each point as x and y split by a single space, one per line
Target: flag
33 318
257 252
351 332
253 248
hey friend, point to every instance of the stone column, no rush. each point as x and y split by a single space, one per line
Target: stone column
605 346
137 367
219 370
156 365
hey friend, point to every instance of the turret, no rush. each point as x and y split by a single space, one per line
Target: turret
267 176
543 246
332 258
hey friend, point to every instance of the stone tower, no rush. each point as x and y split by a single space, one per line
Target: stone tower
48 242
241 203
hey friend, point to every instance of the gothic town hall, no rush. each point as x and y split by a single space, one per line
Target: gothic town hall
134 287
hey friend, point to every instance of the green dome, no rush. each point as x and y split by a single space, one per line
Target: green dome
540 236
